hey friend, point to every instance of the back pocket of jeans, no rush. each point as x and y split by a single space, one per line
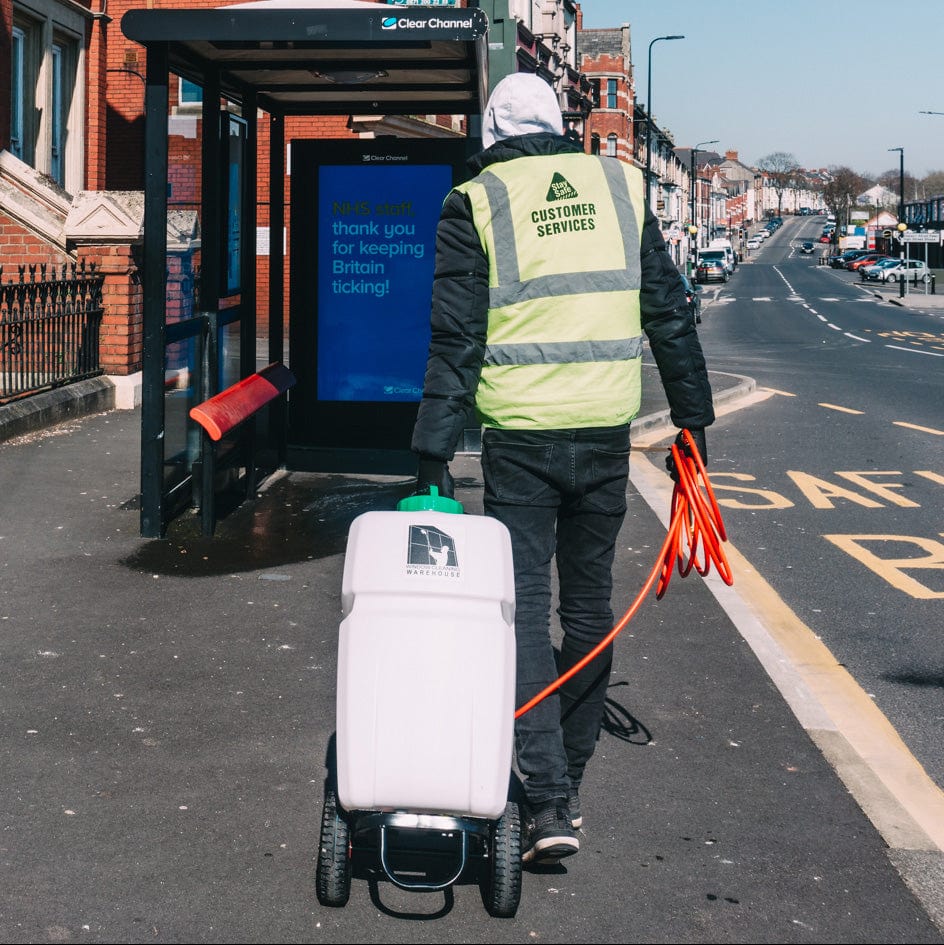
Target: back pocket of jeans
609 468
518 473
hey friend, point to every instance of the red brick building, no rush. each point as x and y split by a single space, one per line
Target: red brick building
605 60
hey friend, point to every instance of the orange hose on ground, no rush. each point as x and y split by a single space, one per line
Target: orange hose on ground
695 524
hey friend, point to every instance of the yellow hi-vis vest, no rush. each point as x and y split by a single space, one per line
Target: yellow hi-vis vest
564 341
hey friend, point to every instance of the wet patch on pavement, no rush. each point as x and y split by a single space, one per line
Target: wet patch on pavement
298 517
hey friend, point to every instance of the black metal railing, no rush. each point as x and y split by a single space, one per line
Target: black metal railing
50 318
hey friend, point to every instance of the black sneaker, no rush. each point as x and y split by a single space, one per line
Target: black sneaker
573 808
548 833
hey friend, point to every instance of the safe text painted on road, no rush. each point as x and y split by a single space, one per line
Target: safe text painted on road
891 557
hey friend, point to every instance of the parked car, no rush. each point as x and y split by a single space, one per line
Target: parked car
725 256
873 270
825 238
711 270
869 259
755 242
694 302
807 247
914 270
839 260
730 254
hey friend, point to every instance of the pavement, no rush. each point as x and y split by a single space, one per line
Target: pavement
167 707
916 297
920 298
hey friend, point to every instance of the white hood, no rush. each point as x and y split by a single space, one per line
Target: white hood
521 104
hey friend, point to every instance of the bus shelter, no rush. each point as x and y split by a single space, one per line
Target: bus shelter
362 213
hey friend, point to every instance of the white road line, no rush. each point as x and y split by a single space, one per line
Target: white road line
934 354
849 334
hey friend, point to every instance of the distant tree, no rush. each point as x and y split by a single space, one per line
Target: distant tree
781 169
933 184
892 180
889 179
840 193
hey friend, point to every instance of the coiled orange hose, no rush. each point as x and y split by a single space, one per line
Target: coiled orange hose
694 538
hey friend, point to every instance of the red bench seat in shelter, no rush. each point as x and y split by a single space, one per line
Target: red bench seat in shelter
230 407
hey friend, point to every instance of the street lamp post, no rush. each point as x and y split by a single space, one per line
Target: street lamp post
649 115
693 230
902 226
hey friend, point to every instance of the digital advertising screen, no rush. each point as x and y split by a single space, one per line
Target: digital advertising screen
376 242
234 158
364 214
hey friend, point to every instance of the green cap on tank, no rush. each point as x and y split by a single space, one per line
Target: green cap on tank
434 502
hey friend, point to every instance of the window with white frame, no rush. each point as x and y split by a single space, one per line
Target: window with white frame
47 113
611 93
189 99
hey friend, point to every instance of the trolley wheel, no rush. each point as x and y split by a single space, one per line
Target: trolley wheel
501 889
334 855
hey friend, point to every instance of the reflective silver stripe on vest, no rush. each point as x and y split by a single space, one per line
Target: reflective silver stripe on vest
511 289
563 352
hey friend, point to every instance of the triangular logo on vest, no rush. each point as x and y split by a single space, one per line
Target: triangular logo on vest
560 189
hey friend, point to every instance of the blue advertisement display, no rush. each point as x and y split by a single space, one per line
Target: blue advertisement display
234 157
376 238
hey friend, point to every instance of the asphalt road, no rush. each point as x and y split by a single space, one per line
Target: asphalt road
835 486
167 707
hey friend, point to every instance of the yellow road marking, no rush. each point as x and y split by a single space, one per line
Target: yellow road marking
842 409
865 750
914 426
894 570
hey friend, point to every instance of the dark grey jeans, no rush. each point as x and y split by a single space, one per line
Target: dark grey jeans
562 495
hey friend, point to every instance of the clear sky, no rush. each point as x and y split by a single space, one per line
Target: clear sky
832 82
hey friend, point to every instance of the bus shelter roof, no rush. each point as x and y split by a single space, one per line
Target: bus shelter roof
328 57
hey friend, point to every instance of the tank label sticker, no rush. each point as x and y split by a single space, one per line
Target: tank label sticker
431 552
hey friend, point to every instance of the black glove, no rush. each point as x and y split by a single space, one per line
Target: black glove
698 435
434 472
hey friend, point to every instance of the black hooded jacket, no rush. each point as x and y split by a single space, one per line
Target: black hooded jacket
460 316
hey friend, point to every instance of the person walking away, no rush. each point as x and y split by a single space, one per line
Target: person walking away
548 270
